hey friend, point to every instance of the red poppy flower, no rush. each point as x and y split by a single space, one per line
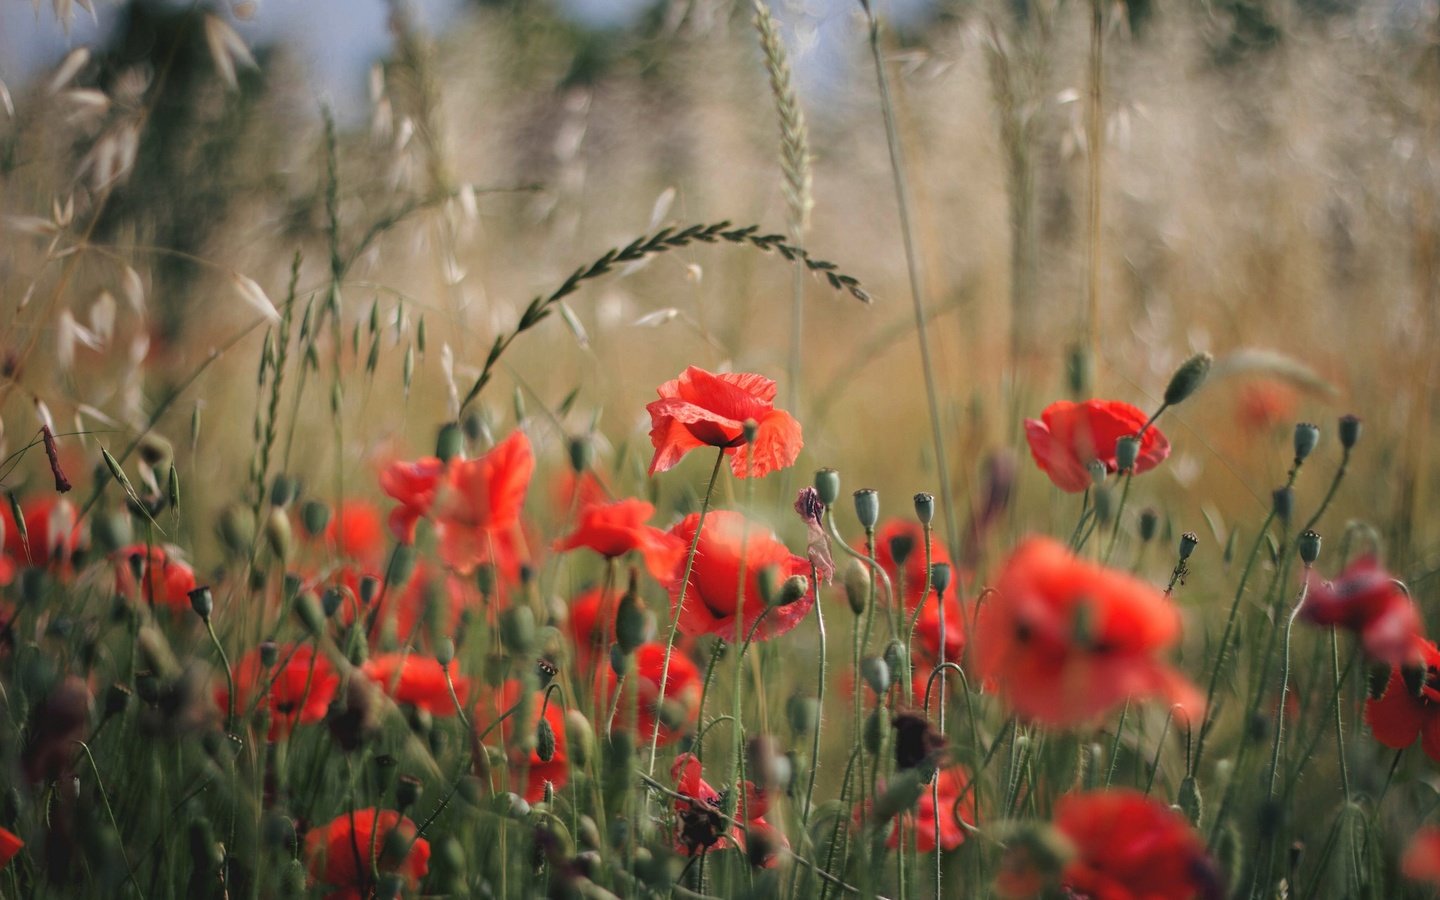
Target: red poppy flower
1410 706
417 680
479 509
1068 436
298 691
614 529
571 491
590 627
898 534
682 693
1421 861
699 829
1369 601
51 532
1064 641
536 771
10 845
167 582
715 577
1262 405
1130 847
414 484
354 532
703 409
340 852
411 606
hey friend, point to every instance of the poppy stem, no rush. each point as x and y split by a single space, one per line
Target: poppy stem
1119 511
815 734
680 604
229 675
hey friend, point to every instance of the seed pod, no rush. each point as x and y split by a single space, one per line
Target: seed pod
237 529
867 507
901 546
1188 542
1149 524
1283 500
579 738
872 733
517 629
857 586
1188 378
1127 450
545 740
925 507
450 442
1309 546
876 673
314 516
803 713
202 602
940 574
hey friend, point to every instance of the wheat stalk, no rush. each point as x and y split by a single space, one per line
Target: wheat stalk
794 136
649 245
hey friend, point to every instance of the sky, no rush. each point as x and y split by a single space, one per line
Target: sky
338 40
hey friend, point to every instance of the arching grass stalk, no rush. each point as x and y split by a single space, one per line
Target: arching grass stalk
916 271
680 604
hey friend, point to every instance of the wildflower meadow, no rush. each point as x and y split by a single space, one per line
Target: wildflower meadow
954 449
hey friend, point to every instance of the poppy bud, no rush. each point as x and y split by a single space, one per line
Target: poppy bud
545 740
750 428
1188 378
901 546
444 651
803 712
925 507
1189 800
449 442
792 590
283 490
900 794
402 565
202 602
940 577
407 791
269 653
867 508
1283 503
629 624
857 586
870 737
314 516
1306 437
331 601
1309 546
1149 524
876 673
1097 472
827 485
277 532
1104 503
579 738
1349 431
582 453
485 580
768 579
237 528
895 656
1188 542
517 628
1127 450
307 607
619 660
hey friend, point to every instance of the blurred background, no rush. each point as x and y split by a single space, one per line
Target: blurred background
1267 192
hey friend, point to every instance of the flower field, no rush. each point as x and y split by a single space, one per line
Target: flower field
1042 515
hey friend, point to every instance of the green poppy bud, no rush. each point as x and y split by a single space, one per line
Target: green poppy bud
1188 378
827 485
867 507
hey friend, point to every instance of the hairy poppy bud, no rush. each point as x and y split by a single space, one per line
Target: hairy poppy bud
582 453
545 740
1189 800
619 660
1149 524
1283 500
870 738
857 586
202 602
1349 431
1188 543
269 653
407 791
1309 546
827 485
277 533
792 590
768 579
876 673
1306 437
925 507
629 623
314 515
895 656
449 442
1188 378
803 712
1127 450
940 574
517 628
867 507
307 608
